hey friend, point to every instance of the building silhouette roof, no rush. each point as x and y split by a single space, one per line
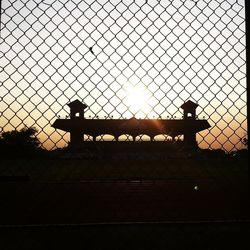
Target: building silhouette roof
189 105
77 104
131 126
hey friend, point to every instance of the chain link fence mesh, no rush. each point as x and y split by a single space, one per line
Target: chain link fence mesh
124 58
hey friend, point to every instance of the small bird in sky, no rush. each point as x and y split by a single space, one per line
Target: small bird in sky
46 3
49 4
91 50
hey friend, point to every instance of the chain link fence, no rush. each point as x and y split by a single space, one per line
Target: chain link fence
124 58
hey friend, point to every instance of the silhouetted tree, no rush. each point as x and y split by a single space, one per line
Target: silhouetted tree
22 143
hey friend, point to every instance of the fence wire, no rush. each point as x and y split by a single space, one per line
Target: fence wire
124 58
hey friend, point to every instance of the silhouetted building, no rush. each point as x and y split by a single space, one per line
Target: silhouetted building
189 110
78 125
77 109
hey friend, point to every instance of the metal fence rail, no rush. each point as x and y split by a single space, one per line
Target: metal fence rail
124 58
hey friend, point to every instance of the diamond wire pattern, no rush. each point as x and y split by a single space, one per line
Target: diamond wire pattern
106 53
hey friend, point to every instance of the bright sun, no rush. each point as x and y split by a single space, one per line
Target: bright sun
137 98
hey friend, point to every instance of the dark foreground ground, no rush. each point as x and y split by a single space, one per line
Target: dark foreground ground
173 214
202 236
91 202
76 169
195 205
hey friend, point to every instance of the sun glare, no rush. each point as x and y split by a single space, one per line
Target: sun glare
136 100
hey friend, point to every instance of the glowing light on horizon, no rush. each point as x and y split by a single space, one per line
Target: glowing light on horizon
137 99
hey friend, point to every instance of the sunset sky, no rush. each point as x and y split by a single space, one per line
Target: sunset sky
147 59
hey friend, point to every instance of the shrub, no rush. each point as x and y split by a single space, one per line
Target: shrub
19 143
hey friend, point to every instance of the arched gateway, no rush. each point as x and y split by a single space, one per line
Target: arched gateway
78 125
